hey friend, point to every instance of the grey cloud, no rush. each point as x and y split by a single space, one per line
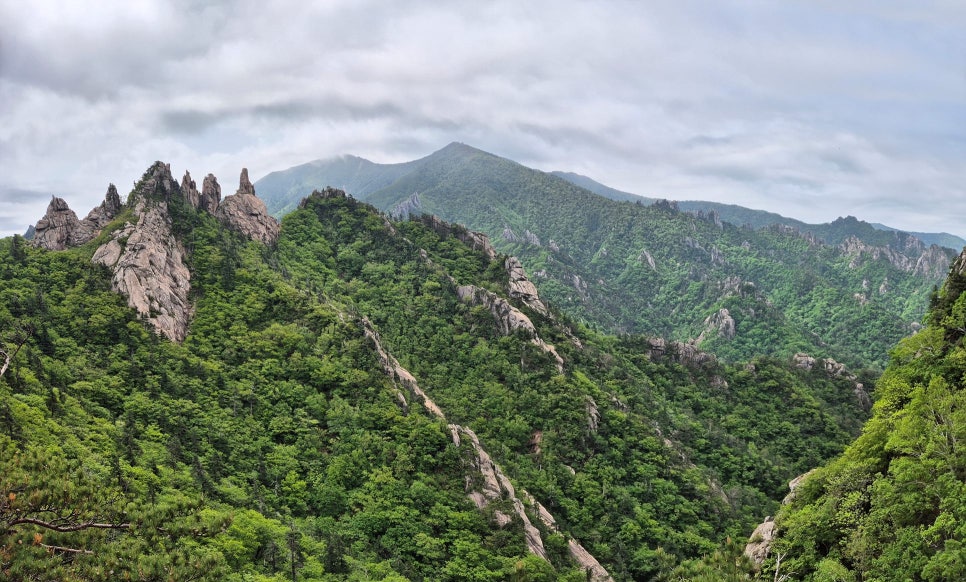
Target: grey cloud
763 104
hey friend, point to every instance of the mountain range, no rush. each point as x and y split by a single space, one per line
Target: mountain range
628 267
191 390
832 233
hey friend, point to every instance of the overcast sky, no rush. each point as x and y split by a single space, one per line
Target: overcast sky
809 108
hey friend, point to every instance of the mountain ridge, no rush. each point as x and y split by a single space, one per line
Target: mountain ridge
627 267
276 423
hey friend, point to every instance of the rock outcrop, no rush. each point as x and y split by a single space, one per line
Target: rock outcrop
146 258
246 213
327 192
60 228
719 323
521 288
148 261
508 235
759 544
407 207
108 210
475 240
508 318
908 254
835 369
489 483
210 197
645 257
686 354
189 190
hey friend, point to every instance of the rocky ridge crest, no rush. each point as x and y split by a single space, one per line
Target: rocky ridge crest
147 259
508 318
60 228
910 255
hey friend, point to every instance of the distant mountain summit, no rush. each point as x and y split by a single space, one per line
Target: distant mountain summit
686 272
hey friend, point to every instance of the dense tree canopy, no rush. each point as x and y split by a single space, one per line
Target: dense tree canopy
271 445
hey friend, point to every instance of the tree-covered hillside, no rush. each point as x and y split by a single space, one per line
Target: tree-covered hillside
624 267
893 506
320 419
833 233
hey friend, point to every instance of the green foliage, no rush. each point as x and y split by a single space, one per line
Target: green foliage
892 507
626 267
271 445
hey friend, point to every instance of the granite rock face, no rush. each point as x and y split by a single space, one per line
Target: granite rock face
60 228
210 196
721 323
521 288
508 318
108 210
148 261
247 214
908 254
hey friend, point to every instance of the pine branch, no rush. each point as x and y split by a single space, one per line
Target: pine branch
67 528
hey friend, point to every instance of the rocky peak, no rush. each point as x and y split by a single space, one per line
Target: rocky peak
157 183
148 261
246 213
210 196
189 189
327 192
99 217
245 186
60 228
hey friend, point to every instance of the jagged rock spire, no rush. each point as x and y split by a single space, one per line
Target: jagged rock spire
59 228
247 214
210 194
189 189
245 185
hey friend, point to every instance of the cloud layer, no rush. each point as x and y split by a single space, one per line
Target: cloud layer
809 109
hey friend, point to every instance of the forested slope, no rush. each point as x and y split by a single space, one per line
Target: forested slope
272 444
623 267
893 506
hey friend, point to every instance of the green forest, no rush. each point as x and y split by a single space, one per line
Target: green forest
893 506
271 444
845 291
